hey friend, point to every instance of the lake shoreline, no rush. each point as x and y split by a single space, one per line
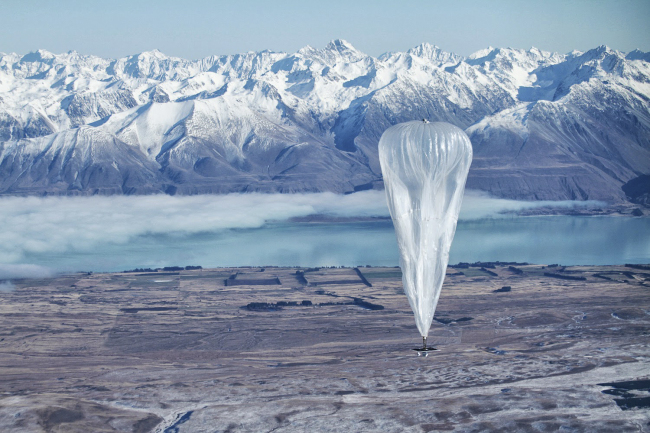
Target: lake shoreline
321 241
54 235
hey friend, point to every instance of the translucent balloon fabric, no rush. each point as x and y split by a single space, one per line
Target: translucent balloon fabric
425 167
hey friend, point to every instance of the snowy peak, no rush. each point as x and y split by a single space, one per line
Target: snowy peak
485 52
599 54
342 49
41 56
505 57
341 45
601 60
152 65
602 64
434 54
153 53
638 55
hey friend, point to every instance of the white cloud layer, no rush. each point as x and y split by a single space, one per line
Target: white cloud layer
56 225
6 286
478 205
16 271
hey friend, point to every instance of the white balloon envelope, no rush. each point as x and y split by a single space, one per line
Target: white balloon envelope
425 168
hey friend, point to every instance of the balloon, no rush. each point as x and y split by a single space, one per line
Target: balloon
425 167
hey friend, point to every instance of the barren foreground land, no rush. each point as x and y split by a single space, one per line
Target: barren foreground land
288 349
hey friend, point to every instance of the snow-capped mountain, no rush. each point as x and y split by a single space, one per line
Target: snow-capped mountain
543 125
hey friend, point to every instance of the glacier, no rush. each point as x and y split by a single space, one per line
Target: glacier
543 126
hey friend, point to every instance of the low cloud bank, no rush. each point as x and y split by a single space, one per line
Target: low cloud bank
6 286
479 205
18 271
56 225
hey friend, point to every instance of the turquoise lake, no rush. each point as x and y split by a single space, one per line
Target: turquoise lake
566 240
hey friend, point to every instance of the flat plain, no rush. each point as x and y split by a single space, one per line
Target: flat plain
520 348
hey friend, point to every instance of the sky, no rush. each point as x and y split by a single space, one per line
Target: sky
195 29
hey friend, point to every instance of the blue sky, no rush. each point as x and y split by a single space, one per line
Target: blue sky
198 28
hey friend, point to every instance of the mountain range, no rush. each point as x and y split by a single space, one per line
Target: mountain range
544 126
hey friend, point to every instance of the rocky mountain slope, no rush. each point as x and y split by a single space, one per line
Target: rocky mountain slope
543 125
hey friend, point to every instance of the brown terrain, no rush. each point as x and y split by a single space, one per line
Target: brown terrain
521 348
